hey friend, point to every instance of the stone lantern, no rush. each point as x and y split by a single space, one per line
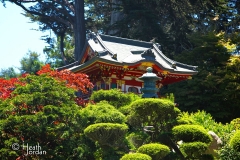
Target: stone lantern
149 79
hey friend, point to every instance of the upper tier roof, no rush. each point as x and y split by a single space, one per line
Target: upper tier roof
129 52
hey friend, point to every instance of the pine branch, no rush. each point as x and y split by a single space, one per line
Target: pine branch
58 19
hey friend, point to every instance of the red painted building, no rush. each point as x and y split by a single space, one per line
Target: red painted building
113 62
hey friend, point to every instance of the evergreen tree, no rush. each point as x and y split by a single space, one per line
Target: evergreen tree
167 22
42 109
215 88
8 73
30 63
53 56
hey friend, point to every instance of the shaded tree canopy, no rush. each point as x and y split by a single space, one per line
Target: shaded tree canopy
165 22
54 55
216 86
187 31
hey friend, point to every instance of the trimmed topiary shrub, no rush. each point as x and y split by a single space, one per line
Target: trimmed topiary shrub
191 133
137 139
150 106
235 141
106 133
125 109
102 113
114 97
136 156
159 113
155 150
193 149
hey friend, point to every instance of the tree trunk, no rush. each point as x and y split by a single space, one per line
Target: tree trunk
168 141
116 16
79 29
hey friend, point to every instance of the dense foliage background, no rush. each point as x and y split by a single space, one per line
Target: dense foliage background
200 33
41 108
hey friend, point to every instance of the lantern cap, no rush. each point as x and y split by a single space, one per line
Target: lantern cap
149 75
149 69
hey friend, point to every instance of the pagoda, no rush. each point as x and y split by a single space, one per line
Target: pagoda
114 62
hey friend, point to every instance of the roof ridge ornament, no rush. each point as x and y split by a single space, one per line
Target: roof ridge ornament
93 35
174 65
159 46
114 56
148 54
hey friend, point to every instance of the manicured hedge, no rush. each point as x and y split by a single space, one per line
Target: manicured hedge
158 109
235 141
114 97
106 133
191 133
149 105
137 139
136 156
102 112
155 150
193 149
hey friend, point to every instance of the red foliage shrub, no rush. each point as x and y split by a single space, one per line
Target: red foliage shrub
77 81
7 86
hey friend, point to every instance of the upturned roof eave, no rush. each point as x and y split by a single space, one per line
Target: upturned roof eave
99 59
192 70
172 62
145 44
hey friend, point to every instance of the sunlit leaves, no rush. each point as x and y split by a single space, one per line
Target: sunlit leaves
43 111
77 81
7 86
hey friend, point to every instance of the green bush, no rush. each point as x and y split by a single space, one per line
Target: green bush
193 149
227 152
235 141
137 139
191 133
102 113
170 96
151 105
205 119
159 113
125 109
206 157
136 156
236 123
43 111
185 121
155 150
114 97
106 133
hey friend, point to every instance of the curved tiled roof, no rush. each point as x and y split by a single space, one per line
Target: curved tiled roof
124 51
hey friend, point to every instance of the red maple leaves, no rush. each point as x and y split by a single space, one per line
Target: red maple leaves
78 81
7 86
